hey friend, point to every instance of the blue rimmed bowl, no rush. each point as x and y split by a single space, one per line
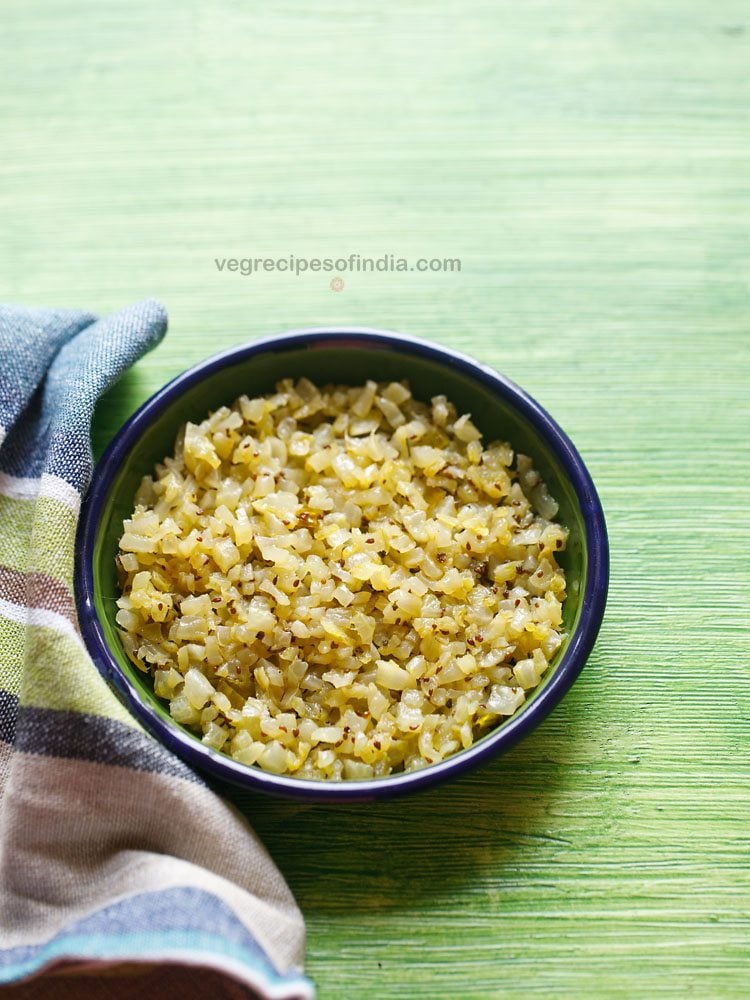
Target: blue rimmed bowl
350 356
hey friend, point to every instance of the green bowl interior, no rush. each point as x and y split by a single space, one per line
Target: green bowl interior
496 418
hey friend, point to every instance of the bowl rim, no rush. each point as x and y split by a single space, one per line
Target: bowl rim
506 735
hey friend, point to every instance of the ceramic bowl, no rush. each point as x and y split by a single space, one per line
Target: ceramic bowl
499 408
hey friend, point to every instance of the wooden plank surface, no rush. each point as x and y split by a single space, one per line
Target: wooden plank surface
590 165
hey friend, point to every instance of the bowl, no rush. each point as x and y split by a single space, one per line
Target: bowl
499 408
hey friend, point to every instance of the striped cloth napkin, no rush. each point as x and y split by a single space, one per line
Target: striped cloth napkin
121 873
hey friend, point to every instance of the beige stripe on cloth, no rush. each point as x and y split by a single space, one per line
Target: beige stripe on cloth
37 590
49 882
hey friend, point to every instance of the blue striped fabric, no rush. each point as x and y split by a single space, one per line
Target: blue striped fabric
183 926
54 366
112 851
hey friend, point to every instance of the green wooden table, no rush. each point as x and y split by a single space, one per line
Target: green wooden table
589 164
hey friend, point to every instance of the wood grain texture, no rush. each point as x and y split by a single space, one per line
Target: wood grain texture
590 165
